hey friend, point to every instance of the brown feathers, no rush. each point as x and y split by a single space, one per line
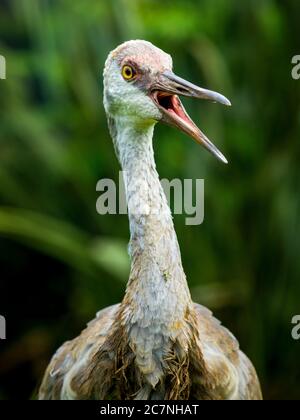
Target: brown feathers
106 367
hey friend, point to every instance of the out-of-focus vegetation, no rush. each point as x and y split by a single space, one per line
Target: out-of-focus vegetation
60 261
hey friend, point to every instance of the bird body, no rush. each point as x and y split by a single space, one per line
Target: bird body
157 343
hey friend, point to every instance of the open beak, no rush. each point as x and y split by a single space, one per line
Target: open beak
165 95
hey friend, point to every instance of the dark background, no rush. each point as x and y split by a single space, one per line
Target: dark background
61 262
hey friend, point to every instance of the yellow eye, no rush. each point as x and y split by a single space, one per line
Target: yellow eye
128 72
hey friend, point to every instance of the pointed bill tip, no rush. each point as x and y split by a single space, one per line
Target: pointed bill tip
227 102
222 100
222 158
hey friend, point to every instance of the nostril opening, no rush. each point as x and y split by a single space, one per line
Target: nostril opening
182 90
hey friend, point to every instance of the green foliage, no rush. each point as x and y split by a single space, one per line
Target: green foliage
242 262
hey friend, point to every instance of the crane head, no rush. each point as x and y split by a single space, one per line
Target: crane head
139 85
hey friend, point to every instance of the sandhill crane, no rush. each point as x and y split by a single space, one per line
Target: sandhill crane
157 343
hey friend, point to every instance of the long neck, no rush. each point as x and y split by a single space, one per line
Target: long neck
157 287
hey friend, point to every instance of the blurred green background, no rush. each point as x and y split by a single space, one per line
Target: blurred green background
61 261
